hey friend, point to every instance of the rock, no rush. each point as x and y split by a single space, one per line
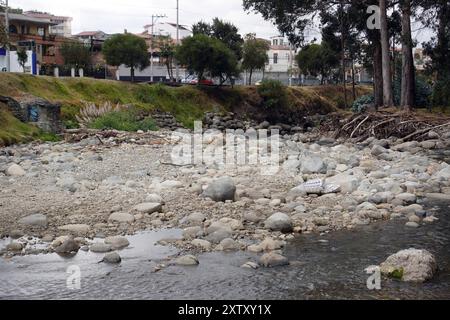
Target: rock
112 258
219 235
117 242
250 265
59 241
67 247
35 220
16 234
279 222
438 196
251 217
188 260
196 218
203 244
15 246
410 265
377 150
433 135
154 198
313 165
270 244
407 146
99 247
15 171
406 198
228 244
221 190
171 184
148 208
415 219
76 229
192 232
348 183
412 225
272 259
121 217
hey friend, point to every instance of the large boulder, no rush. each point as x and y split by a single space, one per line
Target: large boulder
67 247
221 190
279 222
313 164
15 171
410 265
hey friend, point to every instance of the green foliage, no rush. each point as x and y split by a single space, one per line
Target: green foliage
3 35
202 54
423 91
127 49
255 53
397 274
441 93
224 31
123 121
167 54
273 94
75 54
360 104
22 57
317 59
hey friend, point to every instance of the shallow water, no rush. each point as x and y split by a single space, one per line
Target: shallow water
323 267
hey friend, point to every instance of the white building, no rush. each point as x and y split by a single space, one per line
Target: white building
168 29
62 27
30 65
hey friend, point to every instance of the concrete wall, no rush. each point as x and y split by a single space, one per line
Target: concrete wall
14 63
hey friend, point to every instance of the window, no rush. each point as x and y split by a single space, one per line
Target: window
12 29
275 58
41 32
275 42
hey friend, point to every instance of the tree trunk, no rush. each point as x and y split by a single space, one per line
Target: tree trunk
408 77
343 57
388 97
250 77
378 74
132 74
442 38
353 80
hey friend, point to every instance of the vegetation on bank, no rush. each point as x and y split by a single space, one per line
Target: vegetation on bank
187 103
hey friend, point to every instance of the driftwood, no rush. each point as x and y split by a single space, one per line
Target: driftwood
384 124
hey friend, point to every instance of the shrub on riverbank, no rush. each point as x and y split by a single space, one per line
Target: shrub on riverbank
123 121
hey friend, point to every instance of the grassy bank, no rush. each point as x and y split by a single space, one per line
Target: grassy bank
186 103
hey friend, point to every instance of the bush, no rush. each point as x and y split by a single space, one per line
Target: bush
273 94
123 121
360 104
441 93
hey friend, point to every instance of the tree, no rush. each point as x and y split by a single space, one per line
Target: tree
408 72
202 54
75 54
223 31
3 35
127 49
22 58
167 54
317 59
388 97
254 55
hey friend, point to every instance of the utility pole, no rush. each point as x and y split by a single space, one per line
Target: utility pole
8 57
177 73
154 19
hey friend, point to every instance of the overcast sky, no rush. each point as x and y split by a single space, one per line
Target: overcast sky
113 16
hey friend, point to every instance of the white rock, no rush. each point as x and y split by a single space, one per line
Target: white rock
414 265
188 260
148 208
117 242
121 217
15 171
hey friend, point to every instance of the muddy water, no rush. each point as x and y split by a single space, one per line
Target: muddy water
323 267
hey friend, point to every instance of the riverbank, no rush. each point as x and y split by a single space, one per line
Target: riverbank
124 184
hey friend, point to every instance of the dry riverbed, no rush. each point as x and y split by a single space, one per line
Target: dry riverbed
66 194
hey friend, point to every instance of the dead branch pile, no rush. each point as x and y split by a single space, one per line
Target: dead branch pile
383 125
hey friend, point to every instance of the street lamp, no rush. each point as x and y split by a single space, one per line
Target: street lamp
8 61
178 39
155 17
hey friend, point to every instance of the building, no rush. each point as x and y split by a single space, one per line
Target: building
62 27
34 35
168 29
93 39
